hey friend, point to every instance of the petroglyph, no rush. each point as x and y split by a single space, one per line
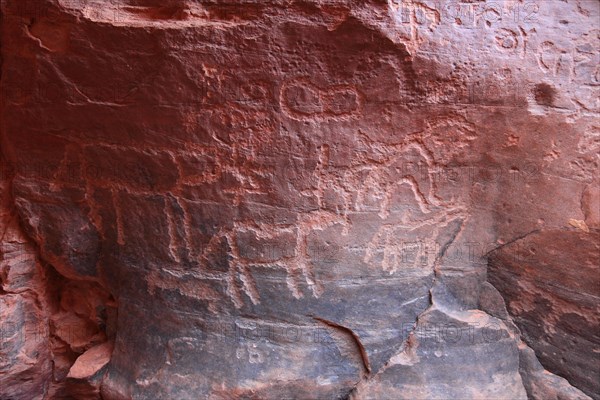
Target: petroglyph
370 183
579 61
366 180
175 280
381 180
392 246
507 39
297 263
413 19
301 99
313 165
549 56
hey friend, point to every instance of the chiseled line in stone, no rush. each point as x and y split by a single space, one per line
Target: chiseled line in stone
310 222
118 217
419 197
304 264
292 280
387 232
291 266
232 289
187 230
172 230
241 266
94 214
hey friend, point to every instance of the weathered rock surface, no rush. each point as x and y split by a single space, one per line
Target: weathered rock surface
552 295
25 360
298 199
540 383
85 376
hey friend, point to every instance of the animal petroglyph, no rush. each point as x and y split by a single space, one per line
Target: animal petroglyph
379 179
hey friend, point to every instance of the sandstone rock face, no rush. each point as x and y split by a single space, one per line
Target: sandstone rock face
299 199
551 294
25 362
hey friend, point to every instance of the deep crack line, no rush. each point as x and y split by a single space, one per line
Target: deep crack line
516 239
363 352
406 343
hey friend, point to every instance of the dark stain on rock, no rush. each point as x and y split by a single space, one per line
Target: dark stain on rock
544 94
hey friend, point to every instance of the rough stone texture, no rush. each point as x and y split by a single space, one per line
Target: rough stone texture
541 384
85 376
25 362
552 295
299 199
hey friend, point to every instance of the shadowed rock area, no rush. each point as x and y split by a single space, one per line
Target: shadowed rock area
316 199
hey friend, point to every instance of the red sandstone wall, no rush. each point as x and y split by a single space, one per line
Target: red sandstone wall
301 199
